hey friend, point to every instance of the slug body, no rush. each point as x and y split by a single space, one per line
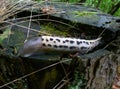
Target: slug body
57 44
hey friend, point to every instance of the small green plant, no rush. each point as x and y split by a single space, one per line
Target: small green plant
4 35
79 81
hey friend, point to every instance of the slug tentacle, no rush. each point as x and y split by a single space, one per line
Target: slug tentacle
61 44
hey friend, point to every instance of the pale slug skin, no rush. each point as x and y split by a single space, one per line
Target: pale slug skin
62 44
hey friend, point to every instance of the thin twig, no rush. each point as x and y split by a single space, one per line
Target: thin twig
60 81
108 44
65 82
102 32
29 26
65 72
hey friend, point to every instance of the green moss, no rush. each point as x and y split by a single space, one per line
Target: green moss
50 29
84 13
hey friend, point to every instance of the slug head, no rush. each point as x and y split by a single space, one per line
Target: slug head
31 46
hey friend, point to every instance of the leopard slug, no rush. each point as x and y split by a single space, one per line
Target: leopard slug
61 44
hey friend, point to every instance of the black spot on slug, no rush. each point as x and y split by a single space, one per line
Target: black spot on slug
83 41
51 39
71 41
47 40
63 41
49 45
65 46
91 42
72 47
79 42
42 39
55 46
60 46
58 40
67 40
87 43
43 44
